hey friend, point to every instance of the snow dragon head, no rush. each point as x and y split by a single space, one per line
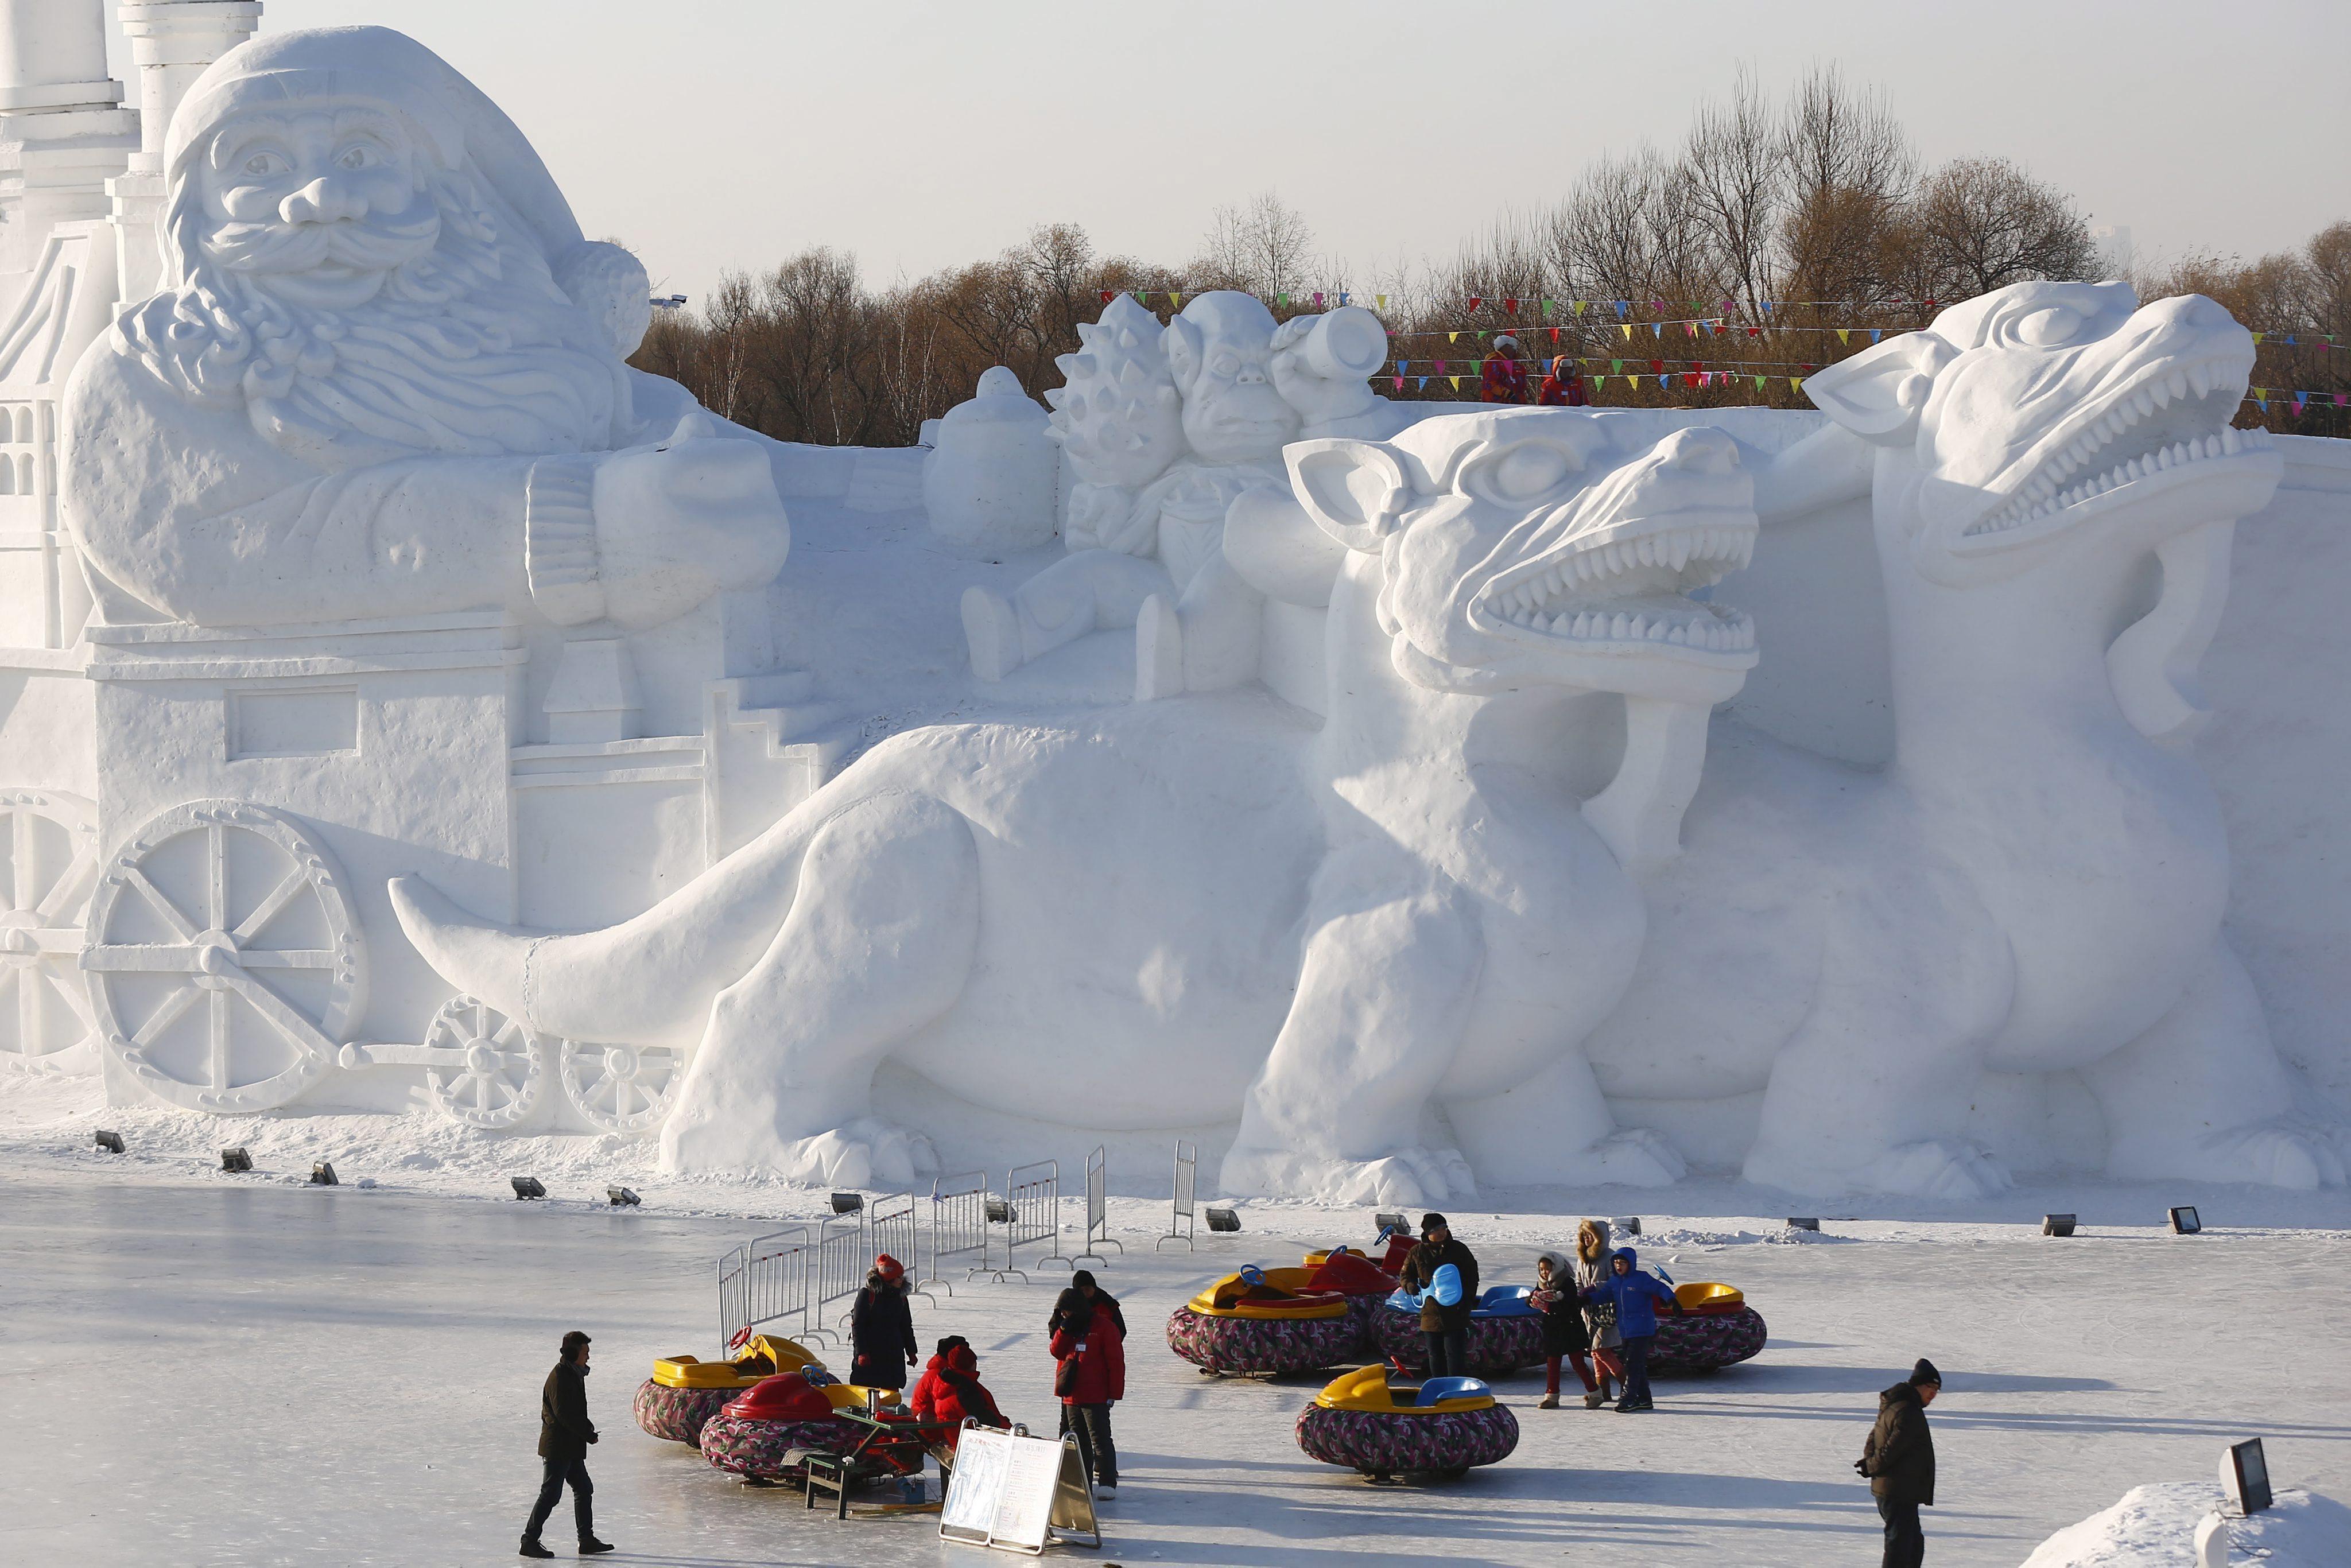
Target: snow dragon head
2039 411
1535 546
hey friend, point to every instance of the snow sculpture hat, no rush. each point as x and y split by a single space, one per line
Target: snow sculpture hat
326 67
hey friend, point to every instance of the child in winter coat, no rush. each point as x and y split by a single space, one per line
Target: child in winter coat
880 1329
1564 1330
1089 1349
1634 1295
950 1391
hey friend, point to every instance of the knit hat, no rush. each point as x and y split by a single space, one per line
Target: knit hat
889 1268
1429 1222
1924 1374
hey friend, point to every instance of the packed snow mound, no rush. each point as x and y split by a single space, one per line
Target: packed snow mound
2155 1527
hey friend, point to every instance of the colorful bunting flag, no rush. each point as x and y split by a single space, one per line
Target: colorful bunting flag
1457 383
1423 384
1510 303
1173 299
1282 300
1399 383
1622 306
1475 300
1844 336
1317 299
1383 300
1580 305
1108 295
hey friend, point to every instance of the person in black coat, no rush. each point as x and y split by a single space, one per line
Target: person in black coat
564 1434
1445 1330
1899 1460
882 1329
1564 1332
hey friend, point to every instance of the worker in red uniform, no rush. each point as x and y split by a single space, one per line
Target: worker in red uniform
1503 378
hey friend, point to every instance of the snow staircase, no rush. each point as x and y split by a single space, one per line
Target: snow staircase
772 746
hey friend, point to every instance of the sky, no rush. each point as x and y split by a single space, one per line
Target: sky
717 135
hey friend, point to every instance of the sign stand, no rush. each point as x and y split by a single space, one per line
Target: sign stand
1018 1493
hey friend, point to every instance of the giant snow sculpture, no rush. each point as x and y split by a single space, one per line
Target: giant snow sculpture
1189 912
2035 884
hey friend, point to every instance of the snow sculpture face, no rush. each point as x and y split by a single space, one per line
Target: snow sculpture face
364 252
315 209
2023 418
1531 545
1222 353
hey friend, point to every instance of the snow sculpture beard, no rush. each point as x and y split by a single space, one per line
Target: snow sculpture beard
467 347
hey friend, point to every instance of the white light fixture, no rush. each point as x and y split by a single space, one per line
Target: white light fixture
848 1202
1223 1220
2056 1225
110 1142
323 1174
2245 1476
236 1159
1630 1225
2184 1222
527 1186
1393 1224
622 1197
1807 1224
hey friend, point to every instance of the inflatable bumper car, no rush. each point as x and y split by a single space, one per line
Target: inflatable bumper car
1505 1333
767 1434
684 1392
1716 1327
1265 1321
1442 1426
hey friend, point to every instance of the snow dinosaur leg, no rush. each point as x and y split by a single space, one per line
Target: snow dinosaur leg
2203 1095
879 942
1383 996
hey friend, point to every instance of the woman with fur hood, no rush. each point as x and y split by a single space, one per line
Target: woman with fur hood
1591 1265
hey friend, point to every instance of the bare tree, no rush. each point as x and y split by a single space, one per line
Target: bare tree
1264 247
1735 179
1983 224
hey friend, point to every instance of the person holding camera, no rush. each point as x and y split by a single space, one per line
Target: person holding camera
1090 1372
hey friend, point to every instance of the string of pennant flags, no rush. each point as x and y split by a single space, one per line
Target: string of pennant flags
1653 315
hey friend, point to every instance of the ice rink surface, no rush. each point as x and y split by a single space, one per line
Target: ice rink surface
200 1369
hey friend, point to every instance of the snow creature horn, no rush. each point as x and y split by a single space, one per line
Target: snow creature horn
1119 416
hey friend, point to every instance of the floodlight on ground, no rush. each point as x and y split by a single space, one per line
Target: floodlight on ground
1223 1220
1628 1226
2245 1476
2056 1225
527 1186
1805 1223
110 1142
323 1174
622 1197
999 1212
236 1159
1393 1224
2184 1222
848 1202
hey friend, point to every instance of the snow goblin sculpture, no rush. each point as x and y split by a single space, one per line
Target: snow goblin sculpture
384 375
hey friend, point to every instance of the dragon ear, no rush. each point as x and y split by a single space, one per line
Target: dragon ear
1355 489
1877 394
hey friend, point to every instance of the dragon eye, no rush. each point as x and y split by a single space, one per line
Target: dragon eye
2048 327
1520 472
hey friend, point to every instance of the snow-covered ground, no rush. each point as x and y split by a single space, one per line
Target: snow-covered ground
200 1368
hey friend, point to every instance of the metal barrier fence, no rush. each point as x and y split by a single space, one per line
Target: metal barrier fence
1098 1208
1180 1223
838 1264
958 1225
890 1226
765 1281
1034 1192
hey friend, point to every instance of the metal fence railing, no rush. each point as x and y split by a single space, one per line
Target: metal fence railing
1181 1221
1098 1208
838 1264
890 1226
765 1283
958 1226
1034 1193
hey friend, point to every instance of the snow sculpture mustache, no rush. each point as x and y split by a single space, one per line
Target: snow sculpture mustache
1327 936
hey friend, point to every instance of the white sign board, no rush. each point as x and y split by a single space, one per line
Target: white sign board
1018 1492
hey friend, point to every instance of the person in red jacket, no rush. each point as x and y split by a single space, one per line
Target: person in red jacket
950 1391
1090 1372
1503 378
1563 386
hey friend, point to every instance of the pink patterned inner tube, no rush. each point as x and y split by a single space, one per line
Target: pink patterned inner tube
1264 1344
676 1415
1380 1442
750 1447
1700 1342
1498 1345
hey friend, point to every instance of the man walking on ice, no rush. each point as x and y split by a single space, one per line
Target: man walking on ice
564 1434
1899 1460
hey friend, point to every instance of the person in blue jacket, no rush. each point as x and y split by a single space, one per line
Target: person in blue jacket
1632 1293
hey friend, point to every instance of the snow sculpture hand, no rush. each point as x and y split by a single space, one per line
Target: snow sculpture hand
677 522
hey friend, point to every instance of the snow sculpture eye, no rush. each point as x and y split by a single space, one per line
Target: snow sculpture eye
264 164
1519 474
2048 327
358 156
1223 366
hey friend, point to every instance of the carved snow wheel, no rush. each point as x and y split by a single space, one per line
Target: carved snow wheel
45 1016
621 1089
224 963
485 1069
